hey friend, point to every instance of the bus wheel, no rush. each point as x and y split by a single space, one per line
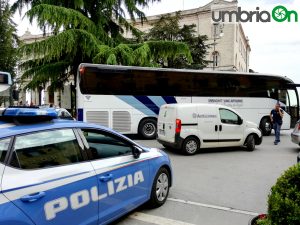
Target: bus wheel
147 128
266 126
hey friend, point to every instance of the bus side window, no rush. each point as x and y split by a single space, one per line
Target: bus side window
274 94
283 97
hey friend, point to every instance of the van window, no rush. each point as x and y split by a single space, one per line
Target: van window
228 117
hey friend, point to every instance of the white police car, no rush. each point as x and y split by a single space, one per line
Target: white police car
66 172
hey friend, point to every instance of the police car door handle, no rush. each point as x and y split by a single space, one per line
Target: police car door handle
106 178
216 128
33 197
220 127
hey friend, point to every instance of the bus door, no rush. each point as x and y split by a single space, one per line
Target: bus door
289 97
293 107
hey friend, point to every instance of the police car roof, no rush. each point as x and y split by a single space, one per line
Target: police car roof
23 120
11 129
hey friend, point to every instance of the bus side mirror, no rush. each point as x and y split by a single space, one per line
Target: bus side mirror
137 151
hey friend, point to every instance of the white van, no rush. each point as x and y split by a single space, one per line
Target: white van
193 126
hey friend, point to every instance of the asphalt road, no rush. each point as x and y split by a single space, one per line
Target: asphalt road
219 186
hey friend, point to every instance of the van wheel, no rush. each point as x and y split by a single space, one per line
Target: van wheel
266 126
190 146
148 128
250 143
160 188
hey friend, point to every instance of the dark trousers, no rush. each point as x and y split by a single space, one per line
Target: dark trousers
277 128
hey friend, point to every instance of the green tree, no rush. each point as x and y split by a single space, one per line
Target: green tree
86 31
167 28
8 39
8 43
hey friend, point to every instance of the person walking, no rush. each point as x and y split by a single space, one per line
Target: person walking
276 116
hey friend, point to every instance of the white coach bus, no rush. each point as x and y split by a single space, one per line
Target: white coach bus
5 85
128 99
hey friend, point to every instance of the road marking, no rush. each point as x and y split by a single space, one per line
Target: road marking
227 209
156 219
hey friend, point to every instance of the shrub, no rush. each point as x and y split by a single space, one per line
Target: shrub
263 222
284 199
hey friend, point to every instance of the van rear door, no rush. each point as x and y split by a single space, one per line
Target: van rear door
166 123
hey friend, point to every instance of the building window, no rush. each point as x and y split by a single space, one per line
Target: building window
217 31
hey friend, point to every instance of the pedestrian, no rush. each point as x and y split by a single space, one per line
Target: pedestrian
276 116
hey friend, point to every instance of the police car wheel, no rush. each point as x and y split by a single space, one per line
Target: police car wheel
147 128
250 143
160 188
190 146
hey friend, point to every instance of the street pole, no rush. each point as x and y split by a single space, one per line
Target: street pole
215 37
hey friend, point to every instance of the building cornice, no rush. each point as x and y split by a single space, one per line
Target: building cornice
202 9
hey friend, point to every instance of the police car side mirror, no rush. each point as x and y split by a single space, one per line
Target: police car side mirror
137 151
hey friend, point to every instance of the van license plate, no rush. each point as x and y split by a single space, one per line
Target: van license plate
162 132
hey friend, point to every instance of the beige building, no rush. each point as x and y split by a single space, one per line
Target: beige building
43 95
229 50
230 47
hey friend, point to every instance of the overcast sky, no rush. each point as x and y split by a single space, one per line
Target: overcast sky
275 46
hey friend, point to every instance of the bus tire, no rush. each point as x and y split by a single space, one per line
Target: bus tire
190 146
250 143
266 126
148 128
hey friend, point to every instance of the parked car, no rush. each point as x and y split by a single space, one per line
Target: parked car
193 126
295 135
68 172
